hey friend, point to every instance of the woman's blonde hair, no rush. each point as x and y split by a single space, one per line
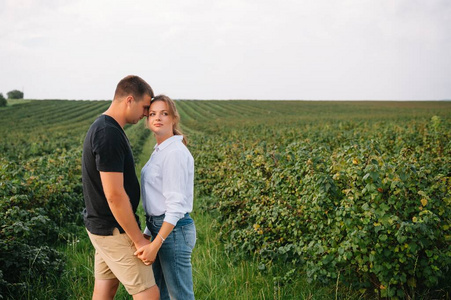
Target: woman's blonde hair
173 112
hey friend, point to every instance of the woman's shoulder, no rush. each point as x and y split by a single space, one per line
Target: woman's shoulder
179 149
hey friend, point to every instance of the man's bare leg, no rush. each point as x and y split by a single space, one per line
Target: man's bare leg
152 293
105 289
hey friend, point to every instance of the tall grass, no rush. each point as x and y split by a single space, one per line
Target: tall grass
217 274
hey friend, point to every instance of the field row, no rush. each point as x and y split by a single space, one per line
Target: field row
351 193
356 192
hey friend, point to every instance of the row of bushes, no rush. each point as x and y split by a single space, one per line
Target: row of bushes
40 203
368 208
40 187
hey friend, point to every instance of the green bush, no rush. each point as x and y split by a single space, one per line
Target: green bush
15 94
371 209
40 199
3 101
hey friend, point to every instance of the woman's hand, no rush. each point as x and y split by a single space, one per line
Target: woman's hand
148 253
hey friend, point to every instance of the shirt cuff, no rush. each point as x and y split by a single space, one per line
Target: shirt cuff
173 218
147 232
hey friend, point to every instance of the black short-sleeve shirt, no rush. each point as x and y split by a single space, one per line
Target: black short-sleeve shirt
106 148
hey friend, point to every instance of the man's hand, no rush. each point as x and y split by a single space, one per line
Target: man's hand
148 253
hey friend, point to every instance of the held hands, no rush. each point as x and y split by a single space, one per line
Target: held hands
148 253
141 244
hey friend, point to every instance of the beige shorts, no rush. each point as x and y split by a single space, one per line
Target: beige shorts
114 259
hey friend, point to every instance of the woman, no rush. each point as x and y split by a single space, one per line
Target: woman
167 183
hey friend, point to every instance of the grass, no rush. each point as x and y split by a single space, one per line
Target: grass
17 101
217 274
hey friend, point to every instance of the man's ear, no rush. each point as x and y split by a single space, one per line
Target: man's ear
129 99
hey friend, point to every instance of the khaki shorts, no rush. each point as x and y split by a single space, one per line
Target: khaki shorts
114 259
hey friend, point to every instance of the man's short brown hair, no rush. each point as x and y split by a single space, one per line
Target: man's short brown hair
135 86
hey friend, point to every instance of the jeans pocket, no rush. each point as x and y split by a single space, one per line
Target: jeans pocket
189 234
154 224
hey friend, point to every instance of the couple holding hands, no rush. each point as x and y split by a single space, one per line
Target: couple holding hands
156 263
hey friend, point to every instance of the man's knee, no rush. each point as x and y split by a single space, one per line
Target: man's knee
105 288
150 293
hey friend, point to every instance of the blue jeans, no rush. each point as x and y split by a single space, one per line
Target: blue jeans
172 267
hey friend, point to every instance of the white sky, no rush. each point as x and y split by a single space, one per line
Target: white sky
231 49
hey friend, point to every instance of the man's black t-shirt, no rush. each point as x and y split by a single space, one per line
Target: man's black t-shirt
106 148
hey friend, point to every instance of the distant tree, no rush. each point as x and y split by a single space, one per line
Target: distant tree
2 100
15 94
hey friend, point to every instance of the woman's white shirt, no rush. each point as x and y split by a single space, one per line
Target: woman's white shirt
167 181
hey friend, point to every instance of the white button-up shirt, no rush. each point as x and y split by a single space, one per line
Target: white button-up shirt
167 181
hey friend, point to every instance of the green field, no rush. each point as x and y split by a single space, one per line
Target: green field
294 199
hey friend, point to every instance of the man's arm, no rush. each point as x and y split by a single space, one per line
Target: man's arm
119 202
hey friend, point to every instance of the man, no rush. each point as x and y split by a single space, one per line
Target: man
111 192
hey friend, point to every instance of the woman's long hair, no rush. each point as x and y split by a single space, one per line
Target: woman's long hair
173 112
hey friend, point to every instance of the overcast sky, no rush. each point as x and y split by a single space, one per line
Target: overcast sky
231 49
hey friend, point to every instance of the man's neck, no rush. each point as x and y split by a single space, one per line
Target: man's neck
116 113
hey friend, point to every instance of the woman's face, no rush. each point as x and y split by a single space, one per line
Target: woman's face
160 121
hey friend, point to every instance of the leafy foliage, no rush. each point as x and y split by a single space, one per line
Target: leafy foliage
15 94
3 101
366 202
356 193
40 189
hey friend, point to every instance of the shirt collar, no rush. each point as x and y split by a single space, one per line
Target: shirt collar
167 142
